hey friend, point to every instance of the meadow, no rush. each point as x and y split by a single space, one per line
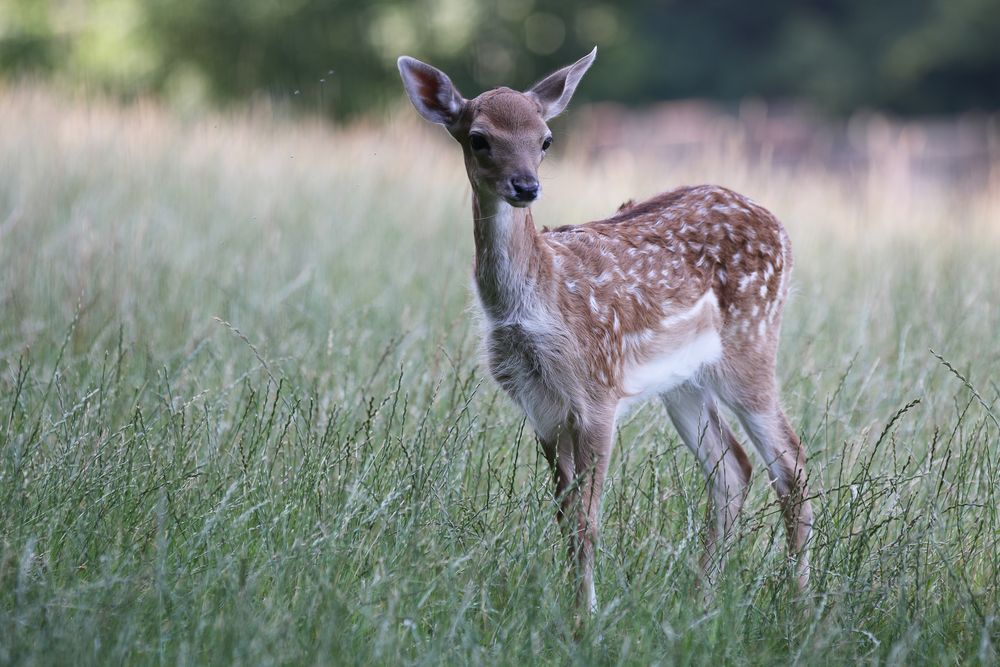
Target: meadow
242 418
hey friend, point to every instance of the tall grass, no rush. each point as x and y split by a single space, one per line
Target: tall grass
242 420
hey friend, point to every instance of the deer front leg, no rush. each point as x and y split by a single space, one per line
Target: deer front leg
559 454
591 456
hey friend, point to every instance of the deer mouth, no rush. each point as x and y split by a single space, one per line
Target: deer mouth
521 199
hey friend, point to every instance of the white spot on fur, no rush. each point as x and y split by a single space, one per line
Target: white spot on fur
783 239
746 279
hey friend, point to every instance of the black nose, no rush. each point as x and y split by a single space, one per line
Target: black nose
525 187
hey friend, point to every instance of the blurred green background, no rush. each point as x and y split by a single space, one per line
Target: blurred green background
337 57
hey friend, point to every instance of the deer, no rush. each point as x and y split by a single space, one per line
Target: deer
678 297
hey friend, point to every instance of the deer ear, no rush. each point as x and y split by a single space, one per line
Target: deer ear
431 91
554 91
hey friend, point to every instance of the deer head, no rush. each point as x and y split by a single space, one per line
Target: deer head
502 131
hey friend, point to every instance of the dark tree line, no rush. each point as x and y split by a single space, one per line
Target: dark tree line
338 56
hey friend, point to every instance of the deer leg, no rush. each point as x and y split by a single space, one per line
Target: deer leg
726 466
779 446
559 454
592 454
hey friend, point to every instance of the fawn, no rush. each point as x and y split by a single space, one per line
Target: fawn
679 296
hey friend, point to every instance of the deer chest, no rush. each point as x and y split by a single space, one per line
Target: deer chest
528 366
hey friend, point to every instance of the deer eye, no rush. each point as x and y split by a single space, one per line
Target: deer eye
546 143
478 142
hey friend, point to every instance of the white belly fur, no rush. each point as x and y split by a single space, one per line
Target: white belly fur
676 365
663 373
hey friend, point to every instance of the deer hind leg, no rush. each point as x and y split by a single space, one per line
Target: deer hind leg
727 468
780 448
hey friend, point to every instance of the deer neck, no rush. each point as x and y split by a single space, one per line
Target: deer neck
510 258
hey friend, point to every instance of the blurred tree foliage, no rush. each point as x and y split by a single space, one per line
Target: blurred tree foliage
338 56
